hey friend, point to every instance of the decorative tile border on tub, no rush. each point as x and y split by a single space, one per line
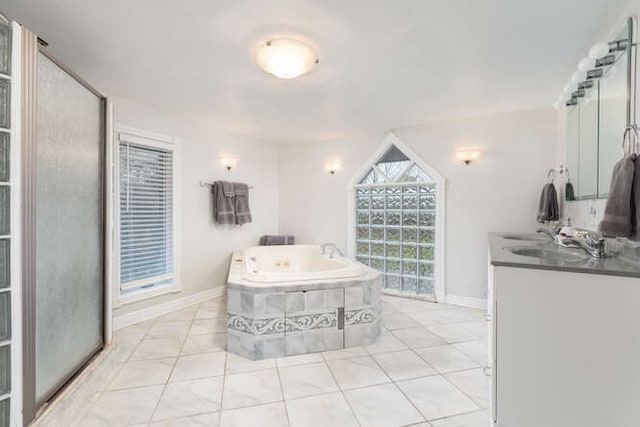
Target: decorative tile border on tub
280 324
361 315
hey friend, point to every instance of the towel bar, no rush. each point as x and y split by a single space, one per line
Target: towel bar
209 184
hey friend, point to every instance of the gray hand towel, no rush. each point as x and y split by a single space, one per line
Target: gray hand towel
241 203
273 240
619 214
223 202
548 209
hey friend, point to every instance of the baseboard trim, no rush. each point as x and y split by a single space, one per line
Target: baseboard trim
466 301
158 310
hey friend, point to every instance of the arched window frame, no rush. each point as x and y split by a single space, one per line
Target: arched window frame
440 183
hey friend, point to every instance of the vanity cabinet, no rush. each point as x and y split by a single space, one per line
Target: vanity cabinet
564 348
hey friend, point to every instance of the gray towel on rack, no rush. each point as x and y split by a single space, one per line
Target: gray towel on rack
274 240
241 203
548 209
223 202
619 215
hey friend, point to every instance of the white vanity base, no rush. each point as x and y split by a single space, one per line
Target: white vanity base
565 349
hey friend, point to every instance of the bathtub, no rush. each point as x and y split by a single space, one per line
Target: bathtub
278 264
291 300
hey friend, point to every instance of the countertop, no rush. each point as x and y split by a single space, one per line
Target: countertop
613 265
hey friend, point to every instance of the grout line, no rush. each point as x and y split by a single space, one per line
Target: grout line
400 389
164 389
284 403
341 391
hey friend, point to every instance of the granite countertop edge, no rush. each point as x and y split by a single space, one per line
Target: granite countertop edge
499 257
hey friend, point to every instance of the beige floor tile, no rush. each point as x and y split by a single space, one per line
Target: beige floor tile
124 407
385 343
382 406
474 383
321 411
417 337
202 420
251 388
435 397
209 343
208 326
344 353
142 373
132 333
445 358
307 380
474 419
301 359
478 351
186 398
459 332
201 365
169 329
238 364
403 365
157 349
357 372
269 415
398 321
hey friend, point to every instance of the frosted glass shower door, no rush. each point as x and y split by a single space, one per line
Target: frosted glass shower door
69 239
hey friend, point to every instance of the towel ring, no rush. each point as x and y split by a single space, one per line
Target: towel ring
551 176
627 148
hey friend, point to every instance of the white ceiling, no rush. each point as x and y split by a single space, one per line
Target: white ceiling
383 64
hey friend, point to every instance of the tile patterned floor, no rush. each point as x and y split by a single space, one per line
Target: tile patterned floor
425 370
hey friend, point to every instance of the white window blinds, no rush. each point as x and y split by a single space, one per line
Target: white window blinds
146 213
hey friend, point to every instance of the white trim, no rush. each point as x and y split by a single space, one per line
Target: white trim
142 294
140 136
158 310
109 226
466 301
15 417
392 139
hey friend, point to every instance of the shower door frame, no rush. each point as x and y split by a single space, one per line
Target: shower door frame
30 406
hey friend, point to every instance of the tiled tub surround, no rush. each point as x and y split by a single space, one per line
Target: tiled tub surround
277 319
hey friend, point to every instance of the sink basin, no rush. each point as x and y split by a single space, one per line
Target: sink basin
548 254
525 237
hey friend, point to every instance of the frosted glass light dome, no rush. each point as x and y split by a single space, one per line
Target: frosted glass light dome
286 58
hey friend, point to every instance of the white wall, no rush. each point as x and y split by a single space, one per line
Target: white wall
499 192
205 248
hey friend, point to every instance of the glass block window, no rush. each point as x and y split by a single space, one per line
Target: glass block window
395 223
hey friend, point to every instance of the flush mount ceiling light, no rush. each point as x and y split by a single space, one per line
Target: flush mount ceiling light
286 58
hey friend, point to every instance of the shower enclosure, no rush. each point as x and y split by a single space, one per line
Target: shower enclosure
63 161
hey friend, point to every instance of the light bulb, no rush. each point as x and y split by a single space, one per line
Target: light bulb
599 50
577 78
586 64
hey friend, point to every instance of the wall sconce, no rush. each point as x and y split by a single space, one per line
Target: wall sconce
467 156
228 162
332 167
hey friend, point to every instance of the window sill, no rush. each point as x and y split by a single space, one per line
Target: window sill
145 294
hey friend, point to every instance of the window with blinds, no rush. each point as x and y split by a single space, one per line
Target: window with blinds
146 214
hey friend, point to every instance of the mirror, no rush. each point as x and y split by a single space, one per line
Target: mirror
596 116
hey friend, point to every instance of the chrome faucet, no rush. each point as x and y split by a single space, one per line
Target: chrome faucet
593 245
330 250
551 233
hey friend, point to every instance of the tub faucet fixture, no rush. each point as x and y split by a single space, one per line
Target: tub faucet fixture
330 249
